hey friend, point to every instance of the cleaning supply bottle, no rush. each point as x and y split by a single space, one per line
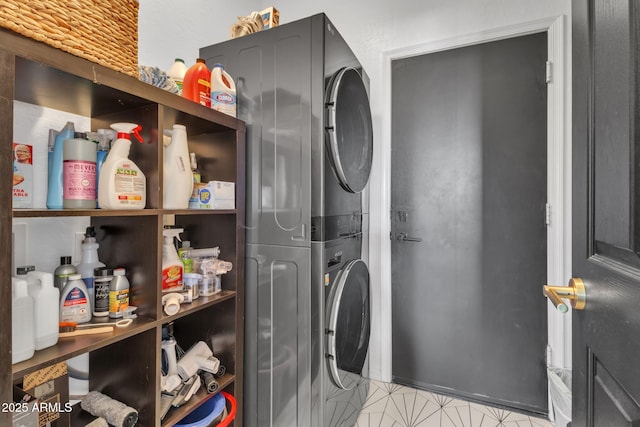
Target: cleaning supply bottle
45 308
197 178
22 329
79 172
104 138
89 262
177 72
172 267
55 162
63 271
122 184
223 91
177 176
183 254
102 277
118 293
74 301
197 83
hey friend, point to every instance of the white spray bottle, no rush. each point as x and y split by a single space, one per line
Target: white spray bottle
172 267
178 179
122 185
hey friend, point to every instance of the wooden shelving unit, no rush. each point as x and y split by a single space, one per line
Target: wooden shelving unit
126 364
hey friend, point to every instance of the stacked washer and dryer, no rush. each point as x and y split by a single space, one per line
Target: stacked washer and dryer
304 97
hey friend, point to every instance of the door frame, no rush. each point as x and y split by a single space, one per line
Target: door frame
558 187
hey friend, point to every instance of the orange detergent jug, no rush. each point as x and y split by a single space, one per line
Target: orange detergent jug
197 83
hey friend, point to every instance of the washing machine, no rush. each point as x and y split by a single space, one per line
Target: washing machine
341 319
304 97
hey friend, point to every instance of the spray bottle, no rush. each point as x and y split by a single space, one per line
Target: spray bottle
55 162
177 176
172 267
122 185
89 262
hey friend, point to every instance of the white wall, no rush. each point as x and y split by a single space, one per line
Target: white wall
373 30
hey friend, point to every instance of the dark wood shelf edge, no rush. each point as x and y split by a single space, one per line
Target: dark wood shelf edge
47 213
176 414
199 304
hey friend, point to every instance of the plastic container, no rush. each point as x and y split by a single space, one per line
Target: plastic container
118 294
560 391
177 71
177 176
55 198
74 301
62 272
197 83
22 328
172 268
183 254
208 414
104 138
223 91
192 284
79 172
102 277
122 185
89 262
45 308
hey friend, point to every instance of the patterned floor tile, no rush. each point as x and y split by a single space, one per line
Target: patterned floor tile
393 405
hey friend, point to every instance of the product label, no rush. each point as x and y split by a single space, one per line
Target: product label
75 307
118 300
204 92
101 291
129 186
79 180
172 278
224 102
22 176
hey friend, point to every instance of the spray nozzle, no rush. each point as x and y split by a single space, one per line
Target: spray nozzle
124 129
171 233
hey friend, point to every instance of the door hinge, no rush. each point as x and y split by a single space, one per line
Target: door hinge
547 214
548 72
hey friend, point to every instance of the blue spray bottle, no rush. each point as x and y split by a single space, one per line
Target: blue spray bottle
55 162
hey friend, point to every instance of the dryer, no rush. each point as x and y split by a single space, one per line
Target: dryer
304 97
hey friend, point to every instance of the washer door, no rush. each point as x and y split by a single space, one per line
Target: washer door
349 132
349 322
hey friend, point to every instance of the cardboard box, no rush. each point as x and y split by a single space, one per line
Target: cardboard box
270 17
214 195
22 175
50 386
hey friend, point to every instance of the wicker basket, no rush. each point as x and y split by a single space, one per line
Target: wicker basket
105 32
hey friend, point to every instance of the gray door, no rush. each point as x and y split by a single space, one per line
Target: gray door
606 212
277 390
469 241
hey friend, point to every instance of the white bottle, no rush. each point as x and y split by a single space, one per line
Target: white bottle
172 267
223 91
74 301
22 329
177 176
122 185
45 305
89 262
177 72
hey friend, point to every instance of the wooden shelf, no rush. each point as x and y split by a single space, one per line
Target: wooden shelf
125 364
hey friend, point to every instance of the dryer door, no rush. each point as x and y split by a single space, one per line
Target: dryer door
349 133
349 322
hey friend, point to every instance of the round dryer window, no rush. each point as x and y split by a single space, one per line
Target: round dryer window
349 323
349 132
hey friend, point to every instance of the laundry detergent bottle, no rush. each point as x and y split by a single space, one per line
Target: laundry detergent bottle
223 91
55 172
122 185
177 176
45 305
197 83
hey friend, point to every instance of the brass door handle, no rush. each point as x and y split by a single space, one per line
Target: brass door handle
574 292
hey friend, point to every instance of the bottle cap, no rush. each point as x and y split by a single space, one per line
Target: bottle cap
119 272
65 260
102 272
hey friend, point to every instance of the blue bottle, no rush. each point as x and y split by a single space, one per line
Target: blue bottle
54 189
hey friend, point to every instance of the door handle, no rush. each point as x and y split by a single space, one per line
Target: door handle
403 237
575 293
302 236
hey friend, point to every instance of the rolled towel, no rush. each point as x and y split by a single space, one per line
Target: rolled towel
116 413
98 422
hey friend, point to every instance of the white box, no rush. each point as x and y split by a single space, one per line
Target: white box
215 195
22 175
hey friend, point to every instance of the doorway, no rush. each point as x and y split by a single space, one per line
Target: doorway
468 229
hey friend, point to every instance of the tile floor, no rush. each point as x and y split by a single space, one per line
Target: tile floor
392 405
